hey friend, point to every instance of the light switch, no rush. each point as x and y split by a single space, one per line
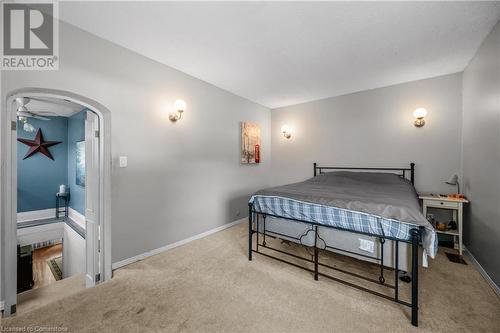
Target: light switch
123 161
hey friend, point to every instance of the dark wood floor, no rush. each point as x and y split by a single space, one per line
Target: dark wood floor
42 274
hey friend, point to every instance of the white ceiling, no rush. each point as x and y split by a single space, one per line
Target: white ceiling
285 53
53 107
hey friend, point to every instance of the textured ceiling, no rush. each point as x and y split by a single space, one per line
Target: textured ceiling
285 53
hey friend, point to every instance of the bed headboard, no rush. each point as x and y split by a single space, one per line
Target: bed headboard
403 171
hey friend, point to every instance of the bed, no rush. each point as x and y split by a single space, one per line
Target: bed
332 210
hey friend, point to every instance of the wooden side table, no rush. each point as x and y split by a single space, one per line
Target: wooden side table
445 202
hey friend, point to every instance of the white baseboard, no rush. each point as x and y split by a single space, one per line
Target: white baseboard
483 272
36 215
145 255
77 217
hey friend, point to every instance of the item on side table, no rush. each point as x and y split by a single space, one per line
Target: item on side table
455 196
430 218
452 225
440 226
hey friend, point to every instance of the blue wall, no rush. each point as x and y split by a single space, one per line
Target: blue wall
76 132
38 177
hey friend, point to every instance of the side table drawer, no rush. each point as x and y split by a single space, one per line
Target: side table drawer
441 204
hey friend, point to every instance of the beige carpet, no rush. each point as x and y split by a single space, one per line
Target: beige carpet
49 294
210 286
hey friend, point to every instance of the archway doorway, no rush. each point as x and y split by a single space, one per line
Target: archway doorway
98 201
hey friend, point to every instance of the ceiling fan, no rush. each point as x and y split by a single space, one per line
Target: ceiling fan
23 112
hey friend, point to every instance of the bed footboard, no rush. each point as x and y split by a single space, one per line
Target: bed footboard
256 218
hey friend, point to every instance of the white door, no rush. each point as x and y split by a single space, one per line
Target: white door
92 199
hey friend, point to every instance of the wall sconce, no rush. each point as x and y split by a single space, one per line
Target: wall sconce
287 131
179 107
419 115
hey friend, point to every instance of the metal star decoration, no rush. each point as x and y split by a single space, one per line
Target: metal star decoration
38 145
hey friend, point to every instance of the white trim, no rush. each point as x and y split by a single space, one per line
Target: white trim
77 217
481 270
145 255
34 215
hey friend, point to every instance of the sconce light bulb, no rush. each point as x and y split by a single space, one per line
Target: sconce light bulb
287 131
420 113
179 105
179 108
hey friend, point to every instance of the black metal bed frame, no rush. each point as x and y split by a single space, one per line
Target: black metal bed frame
254 215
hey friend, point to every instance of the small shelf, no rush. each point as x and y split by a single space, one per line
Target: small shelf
448 232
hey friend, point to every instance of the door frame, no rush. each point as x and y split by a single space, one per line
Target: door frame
8 188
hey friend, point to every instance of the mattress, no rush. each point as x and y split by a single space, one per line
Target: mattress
381 204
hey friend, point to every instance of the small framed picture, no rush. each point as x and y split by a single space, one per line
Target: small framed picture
250 143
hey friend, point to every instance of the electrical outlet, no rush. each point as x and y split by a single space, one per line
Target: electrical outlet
366 245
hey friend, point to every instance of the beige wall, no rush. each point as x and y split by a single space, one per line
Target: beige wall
481 154
182 178
374 128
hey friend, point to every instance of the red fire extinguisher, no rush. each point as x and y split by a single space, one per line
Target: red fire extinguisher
257 153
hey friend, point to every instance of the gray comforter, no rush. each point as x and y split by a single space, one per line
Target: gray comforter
382 194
